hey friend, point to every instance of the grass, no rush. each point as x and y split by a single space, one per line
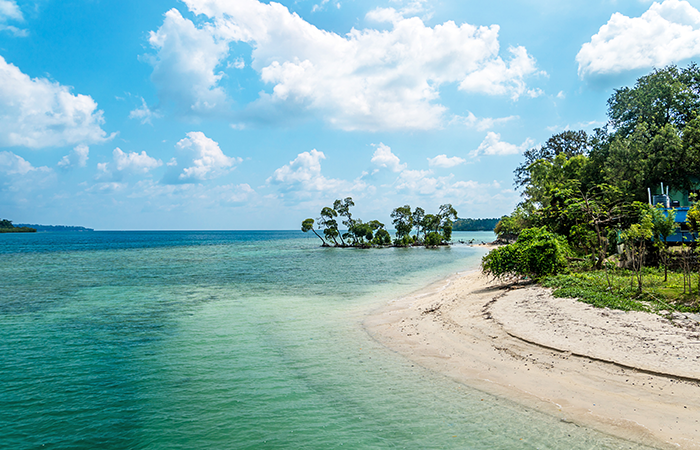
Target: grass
615 291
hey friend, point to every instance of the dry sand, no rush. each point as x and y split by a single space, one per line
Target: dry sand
634 375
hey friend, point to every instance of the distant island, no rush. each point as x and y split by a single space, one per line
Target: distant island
475 224
7 227
55 227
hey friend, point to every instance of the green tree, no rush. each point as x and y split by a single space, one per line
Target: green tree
329 224
403 222
382 237
342 207
308 225
418 215
636 237
663 225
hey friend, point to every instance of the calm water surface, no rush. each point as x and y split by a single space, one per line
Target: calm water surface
232 340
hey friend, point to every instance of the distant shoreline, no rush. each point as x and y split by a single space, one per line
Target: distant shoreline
54 227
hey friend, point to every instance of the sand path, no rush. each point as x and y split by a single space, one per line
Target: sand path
634 375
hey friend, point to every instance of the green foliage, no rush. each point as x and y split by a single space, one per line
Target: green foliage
382 237
403 221
536 253
4 223
474 224
432 239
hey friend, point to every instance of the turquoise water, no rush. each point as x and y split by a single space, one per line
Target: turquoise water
232 340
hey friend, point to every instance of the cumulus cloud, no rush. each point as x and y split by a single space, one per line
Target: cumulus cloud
184 68
127 163
10 12
481 124
498 77
383 157
19 176
37 113
493 145
666 33
236 194
76 158
11 164
302 178
366 80
201 159
144 113
444 162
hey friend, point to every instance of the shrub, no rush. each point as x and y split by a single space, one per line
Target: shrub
536 253
432 239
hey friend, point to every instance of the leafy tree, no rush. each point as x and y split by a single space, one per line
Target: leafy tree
342 207
636 237
447 215
329 224
568 144
308 225
598 208
663 225
4 223
382 237
403 221
418 215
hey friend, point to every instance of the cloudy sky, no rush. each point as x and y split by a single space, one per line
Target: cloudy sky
247 114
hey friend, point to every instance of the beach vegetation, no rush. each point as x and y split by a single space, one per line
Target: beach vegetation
537 253
435 228
593 193
6 226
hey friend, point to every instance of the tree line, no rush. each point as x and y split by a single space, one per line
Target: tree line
583 195
430 229
7 227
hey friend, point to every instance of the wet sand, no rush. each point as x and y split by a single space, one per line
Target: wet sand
634 375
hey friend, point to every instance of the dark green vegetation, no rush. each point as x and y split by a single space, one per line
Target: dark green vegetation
7 227
585 224
55 228
475 224
436 229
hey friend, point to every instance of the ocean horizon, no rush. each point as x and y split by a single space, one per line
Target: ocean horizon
233 339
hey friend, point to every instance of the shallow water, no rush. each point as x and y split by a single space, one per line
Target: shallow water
216 340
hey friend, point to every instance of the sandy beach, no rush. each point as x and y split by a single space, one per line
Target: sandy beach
633 375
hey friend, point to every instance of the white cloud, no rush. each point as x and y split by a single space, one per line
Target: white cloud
365 80
666 33
492 145
302 177
237 194
497 77
481 124
184 67
37 113
134 162
383 157
11 164
125 164
144 113
78 157
445 162
9 11
18 176
202 159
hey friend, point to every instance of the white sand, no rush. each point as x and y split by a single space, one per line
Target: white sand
635 375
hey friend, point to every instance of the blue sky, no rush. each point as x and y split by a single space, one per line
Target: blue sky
246 114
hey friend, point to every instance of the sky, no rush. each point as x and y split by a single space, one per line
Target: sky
248 114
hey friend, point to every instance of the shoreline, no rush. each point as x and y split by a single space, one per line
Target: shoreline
631 375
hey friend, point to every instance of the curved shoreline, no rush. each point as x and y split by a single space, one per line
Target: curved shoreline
627 374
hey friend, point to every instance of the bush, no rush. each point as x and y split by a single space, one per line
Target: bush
432 239
536 253
382 237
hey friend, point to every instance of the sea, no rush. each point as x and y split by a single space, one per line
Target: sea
233 340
